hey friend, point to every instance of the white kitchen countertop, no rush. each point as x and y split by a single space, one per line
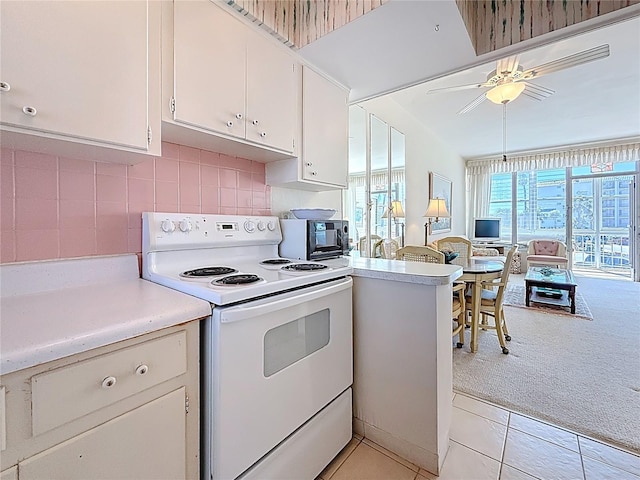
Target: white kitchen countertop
45 315
401 271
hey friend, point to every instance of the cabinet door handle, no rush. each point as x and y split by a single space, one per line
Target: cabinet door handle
238 116
142 369
263 134
108 382
314 173
309 164
29 111
229 123
255 122
4 87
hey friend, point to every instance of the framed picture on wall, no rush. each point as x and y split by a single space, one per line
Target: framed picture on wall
441 187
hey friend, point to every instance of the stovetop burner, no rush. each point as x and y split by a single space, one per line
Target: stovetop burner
208 272
304 267
240 279
275 261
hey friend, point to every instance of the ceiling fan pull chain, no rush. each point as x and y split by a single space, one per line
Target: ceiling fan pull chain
504 132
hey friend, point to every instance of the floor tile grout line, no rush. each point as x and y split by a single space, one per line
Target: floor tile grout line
345 458
545 422
383 453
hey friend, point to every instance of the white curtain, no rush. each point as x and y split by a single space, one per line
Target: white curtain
479 170
561 159
478 195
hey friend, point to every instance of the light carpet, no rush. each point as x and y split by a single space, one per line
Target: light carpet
515 296
584 376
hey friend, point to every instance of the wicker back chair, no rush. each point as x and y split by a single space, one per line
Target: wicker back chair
362 244
460 245
388 248
420 254
431 255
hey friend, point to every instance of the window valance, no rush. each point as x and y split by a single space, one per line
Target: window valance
544 161
377 178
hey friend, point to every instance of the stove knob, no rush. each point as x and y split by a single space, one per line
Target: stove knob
271 226
261 226
167 226
185 226
249 226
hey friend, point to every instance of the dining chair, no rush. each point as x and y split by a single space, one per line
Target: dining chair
362 243
491 304
460 245
388 248
415 253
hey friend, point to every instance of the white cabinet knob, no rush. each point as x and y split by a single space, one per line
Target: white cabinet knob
4 87
108 382
314 173
229 123
309 164
31 111
167 226
142 369
255 122
263 134
238 116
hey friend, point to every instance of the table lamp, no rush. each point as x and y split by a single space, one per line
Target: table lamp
437 209
396 211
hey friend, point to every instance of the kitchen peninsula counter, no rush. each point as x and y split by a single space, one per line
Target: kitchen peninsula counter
402 356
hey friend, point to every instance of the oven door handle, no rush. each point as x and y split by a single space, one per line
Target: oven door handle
273 304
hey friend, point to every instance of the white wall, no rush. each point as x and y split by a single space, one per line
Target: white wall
424 153
284 199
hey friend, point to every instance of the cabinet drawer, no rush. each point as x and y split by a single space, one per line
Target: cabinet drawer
67 393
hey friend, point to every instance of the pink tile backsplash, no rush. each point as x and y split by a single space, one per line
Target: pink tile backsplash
56 207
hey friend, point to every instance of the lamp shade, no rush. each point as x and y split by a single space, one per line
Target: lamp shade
506 92
396 210
437 208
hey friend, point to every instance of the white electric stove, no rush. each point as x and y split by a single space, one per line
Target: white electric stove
276 351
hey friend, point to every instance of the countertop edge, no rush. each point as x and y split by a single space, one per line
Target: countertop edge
178 309
423 279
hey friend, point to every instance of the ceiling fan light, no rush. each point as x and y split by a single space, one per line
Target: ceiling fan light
506 92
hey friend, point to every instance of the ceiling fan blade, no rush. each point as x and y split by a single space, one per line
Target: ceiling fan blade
537 92
459 87
470 106
590 55
507 65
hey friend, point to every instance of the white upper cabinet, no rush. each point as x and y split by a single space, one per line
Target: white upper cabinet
79 74
228 82
323 163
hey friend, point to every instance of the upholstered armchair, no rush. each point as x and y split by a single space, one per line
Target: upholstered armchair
547 252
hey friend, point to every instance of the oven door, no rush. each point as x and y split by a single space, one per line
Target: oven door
270 365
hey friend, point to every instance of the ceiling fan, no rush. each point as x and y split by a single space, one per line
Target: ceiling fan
510 79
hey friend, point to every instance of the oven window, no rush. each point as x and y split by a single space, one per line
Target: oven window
286 344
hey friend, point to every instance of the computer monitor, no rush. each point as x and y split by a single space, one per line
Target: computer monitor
486 229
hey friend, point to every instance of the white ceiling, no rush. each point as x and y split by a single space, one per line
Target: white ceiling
396 48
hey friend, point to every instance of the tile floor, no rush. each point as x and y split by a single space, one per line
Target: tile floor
489 442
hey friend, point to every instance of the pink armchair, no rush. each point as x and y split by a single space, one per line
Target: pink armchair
547 252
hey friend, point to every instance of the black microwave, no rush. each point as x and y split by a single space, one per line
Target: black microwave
314 239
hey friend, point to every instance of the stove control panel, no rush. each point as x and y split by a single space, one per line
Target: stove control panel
164 231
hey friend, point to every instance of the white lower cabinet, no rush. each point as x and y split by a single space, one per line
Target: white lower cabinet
127 411
147 442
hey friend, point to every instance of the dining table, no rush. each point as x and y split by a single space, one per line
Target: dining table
476 270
